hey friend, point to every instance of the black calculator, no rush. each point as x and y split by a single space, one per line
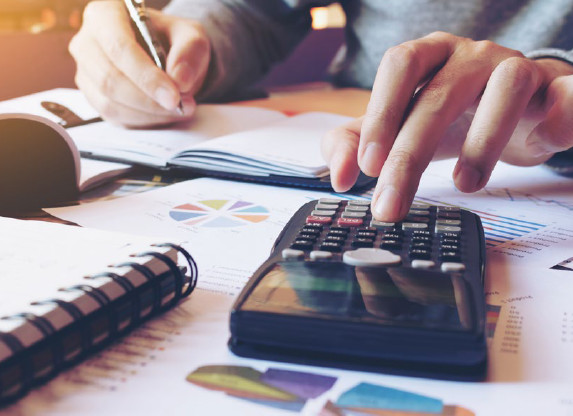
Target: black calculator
341 289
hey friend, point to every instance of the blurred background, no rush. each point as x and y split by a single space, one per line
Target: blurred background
34 35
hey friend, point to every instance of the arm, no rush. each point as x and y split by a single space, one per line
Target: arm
247 37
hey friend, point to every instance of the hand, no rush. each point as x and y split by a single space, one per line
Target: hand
442 96
121 81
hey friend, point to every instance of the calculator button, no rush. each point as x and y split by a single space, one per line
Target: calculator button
449 247
350 214
421 244
359 202
421 264
370 257
413 218
337 233
391 244
419 212
418 253
421 233
455 241
320 255
450 256
419 205
448 222
449 215
381 224
365 234
311 228
313 219
350 222
357 208
414 226
453 267
447 229
291 254
421 239
452 236
449 209
323 213
335 238
392 236
362 242
302 244
326 207
331 246
306 236
329 201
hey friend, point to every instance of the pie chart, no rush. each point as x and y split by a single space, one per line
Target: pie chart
219 213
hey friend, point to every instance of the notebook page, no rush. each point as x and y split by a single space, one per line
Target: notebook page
156 146
292 144
38 258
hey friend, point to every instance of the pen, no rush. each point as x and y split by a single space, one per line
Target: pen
146 35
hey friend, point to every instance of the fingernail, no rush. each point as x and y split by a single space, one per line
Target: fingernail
468 178
389 205
167 98
183 75
370 160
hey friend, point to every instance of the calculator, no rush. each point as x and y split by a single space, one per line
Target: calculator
341 289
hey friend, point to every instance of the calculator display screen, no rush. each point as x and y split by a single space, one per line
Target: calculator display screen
397 296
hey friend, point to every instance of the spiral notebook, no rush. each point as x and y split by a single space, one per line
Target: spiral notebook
67 291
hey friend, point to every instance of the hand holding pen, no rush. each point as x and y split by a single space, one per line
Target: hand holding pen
124 81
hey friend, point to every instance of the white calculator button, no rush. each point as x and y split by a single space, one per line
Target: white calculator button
419 212
323 213
327 207
359 202
419 205
330 201
351 214
321 255
371 257
422 264
292 254
357 208
453 267
447 229
381 224
448 222
414 226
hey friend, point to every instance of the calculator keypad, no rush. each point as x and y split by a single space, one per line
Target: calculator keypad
430 237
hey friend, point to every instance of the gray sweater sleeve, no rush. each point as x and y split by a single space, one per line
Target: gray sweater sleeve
247 38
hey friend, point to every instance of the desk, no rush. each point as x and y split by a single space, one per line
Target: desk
530 332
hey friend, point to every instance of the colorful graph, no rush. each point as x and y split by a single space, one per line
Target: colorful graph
277 388
492 316
219 213
499 229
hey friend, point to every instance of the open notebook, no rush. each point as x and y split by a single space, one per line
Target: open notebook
221 140
67 291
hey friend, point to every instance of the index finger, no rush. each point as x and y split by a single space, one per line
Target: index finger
119 43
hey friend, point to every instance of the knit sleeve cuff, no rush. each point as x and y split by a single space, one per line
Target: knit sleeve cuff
561 54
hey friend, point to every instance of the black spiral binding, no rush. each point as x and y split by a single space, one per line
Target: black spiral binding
184 285
130 291
151 278
48 333
193 269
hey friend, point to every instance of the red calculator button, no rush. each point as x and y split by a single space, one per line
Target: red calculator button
313 219
350 222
